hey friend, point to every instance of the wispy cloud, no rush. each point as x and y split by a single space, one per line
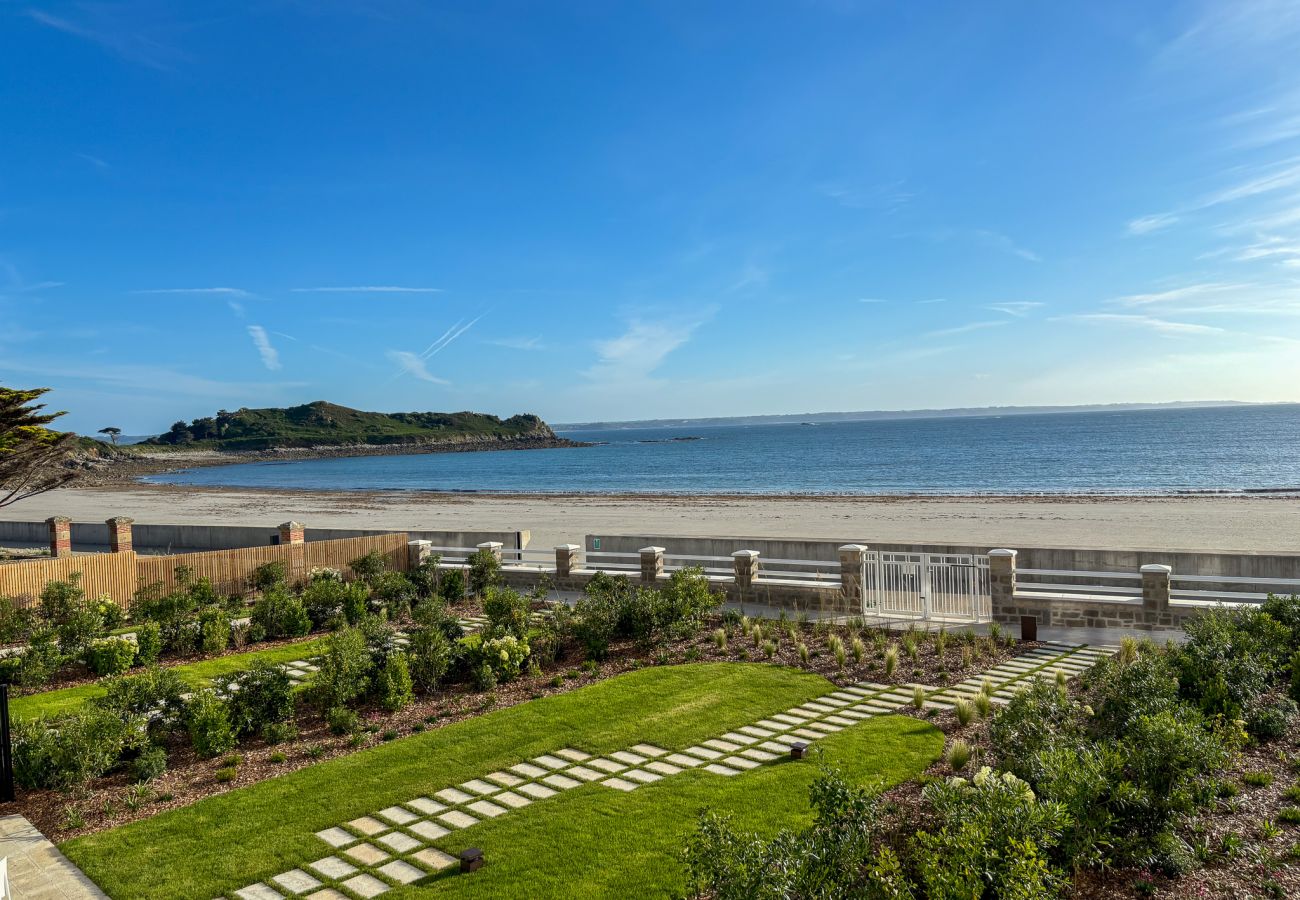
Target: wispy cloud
888 196
1152 223
999 241
94 161
519 343
414 365
1015 307
108 27
640 350
1151 323
225 291
932 300
270 358
751 275
871 300
368 289
965 329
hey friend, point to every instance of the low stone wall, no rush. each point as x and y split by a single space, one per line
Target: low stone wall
1131 614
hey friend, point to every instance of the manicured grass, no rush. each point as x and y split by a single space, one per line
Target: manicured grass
196 674
590 841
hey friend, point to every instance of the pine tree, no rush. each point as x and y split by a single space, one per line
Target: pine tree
31 455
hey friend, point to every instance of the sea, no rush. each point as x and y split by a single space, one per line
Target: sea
1237 449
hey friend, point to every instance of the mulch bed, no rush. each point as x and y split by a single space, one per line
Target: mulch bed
115 800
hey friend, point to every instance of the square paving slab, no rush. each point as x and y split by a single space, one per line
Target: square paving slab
332 867
367 825
397 815
512 800
457 819
258 891
505 779
620 784
425 805
583 773
430 831
649 750
631 759
434 859
366 854
722 746
336 837
401 872
536 791
739 762
661 767
296 881
561 782
681 759
736 737
486 808
528 770
479 787
366 886
703 752
717 769
573 755
551 762
451 795
606 765
396 840
641 775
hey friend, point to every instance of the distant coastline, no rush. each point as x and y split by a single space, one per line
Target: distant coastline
825 418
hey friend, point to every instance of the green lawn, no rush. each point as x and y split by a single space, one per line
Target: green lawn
591 841
196 674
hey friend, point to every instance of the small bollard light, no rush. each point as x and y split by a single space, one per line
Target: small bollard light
471 860
798 750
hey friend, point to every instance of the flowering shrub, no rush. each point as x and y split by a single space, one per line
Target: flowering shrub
111 656
502 657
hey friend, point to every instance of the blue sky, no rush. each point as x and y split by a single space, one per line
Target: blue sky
595 210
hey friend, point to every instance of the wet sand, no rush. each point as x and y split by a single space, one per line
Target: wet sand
1227 523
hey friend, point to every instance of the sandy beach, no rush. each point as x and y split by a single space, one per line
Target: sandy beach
1228 523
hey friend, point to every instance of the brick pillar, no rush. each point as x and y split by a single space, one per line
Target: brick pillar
293 533
493 547
568 559
852 557
1155 588
119 534
418 552
60 535
652 564
745 564
1002 584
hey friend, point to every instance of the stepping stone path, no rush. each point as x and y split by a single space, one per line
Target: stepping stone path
372 854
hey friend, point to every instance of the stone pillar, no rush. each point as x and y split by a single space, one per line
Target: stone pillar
293 533
1155 588
852 558
119 534
1002 584
652 564
493 547
60 535
418 552
745 564
568 559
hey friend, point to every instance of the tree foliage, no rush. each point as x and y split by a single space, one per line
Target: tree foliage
31 455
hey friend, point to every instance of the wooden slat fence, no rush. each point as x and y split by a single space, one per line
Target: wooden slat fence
113 574
231 571
120 575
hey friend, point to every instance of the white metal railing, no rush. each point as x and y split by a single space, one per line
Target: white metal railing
778 570
1059 590
1228 594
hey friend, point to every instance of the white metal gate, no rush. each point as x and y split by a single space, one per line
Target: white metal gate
942 586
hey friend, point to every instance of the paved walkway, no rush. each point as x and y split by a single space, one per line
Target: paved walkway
369 855
37 870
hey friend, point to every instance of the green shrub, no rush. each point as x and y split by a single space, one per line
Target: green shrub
41 660
344 673
1121 693
16 621
278 732
506 610
279 614
213 630
110 656
451 586
150 764
393 684
61 599
207 717
430 658
503 657
69 751
148 643
368 566
1258 779
394 592
269 576
155 692
1268 718
261 695
81 626
226 775
329 602
993 841
484 571
342 720
824 860
595 619
1230 658
1035 720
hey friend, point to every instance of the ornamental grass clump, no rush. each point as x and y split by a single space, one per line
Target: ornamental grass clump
918 697
804 655
965 711
720 638
891 660
858 649
769 649
756 635
983 705
959 753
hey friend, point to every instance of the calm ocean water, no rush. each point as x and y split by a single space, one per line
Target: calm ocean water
1165 451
